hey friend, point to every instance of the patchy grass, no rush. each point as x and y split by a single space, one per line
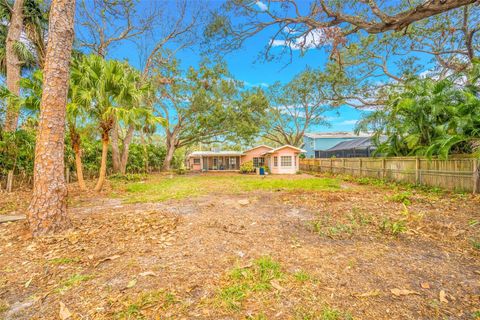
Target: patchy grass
393 227
302 276
404 197
162 187
140 307
72 281
244 281
325 313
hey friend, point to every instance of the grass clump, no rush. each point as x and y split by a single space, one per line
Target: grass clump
393 227
72 281
302 276
326 313
404 197
136 309
244 281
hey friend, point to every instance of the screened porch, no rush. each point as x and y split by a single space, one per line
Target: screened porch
219 163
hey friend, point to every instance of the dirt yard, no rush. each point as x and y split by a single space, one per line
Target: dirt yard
323 249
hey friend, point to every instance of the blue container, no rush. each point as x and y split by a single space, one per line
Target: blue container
262 171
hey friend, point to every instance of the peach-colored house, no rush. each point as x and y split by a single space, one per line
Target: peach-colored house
282 160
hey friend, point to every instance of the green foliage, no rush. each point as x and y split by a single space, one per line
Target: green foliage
17 151
394 227
72 281
247 167
129 177
212 106
428 117
402 197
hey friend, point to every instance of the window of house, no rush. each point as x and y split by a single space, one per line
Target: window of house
294 161
286 161
275 161
196 161
258 162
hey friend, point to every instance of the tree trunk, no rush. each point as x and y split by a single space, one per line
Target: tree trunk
75 137
115 149
169 156
47 211
126 146
103 165
13 63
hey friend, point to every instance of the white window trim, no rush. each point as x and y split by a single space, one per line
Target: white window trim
285 158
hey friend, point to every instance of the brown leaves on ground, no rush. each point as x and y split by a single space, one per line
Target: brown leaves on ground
353 251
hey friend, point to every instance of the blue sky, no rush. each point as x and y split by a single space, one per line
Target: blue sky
245 65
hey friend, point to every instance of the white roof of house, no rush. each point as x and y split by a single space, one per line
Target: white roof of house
262 145
285 146
337 134
215 153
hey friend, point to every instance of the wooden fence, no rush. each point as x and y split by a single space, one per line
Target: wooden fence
455 174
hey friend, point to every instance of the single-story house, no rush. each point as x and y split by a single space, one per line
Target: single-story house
282 160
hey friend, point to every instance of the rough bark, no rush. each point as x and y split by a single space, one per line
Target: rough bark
47 212
103 165
75 138
14 64
125 149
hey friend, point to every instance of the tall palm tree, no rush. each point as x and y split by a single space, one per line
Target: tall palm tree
109 91
47 211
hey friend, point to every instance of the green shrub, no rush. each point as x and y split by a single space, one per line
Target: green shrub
130 177
247 167
393 227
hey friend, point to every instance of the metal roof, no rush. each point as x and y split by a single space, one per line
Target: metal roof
335 135
359 143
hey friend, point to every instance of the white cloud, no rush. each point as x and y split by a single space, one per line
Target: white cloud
348 122
260 84
262 6
313 39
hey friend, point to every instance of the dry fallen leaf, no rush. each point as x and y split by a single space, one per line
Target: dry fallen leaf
107 259
442 296
148 273
372 293
402 292
425 285
132 283
276 285
27 284
64 313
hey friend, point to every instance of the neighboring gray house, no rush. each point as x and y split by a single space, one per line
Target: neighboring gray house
321 141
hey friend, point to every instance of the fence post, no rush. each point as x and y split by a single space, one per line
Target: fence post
360 167
384 168
10 181
475 176
343 166
331 165
417 170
